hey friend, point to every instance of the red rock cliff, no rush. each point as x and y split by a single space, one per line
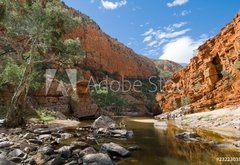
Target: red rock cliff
212 79
107 54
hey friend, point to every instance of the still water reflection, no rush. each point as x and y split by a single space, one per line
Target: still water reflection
160 147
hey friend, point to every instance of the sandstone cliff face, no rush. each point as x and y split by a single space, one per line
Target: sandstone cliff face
212 79
106 54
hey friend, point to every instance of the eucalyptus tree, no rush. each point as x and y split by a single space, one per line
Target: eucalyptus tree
40 27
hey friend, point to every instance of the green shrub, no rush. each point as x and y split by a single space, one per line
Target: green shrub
12 73
45 114
175 105
237 64
105 97
197 86
225 73
185 101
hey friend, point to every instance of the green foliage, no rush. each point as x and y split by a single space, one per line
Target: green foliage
3 111
12 73
2 11
197 86
74 96
185 101
44 27
237 64
226 83
45 114
225 73
105 97
175 105
166 74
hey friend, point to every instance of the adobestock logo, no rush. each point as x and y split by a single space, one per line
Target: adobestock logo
50 75
151 85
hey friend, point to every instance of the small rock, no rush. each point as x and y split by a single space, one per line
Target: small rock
30 161
97 159
16 153
114 148
45 137
79 144
222 146
16 159
76 152
72 163
5 144
46 150
56 141
65 136
42 131
55 161
130 134
134 148
15 131
88 150
122 132
188 136
35 141
236 143
28 147
29 136
65 151
6 162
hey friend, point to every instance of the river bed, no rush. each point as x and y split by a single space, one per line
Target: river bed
161 147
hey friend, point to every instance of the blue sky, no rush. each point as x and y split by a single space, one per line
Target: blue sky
166 29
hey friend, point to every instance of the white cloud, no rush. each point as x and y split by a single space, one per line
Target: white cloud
182 13
185 12
177 3
147 39
181 49
163 35
152 43
108 5
148 32
92 1
175 26
179 25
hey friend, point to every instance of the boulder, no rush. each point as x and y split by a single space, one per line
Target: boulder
16 153
97 159
104 122
5 144
88 150
6 162
65 151
113 148
47 150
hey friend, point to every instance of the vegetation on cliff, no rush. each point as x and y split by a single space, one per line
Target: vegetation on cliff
39 27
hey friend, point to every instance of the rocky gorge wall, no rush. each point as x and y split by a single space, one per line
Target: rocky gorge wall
104 53
212 79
